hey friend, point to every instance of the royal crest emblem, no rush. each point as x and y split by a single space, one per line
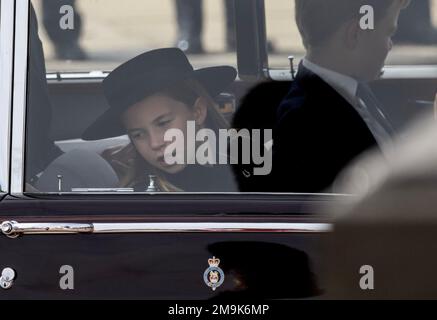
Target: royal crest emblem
213 275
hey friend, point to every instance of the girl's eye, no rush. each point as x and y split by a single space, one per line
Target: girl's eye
137 135
164 123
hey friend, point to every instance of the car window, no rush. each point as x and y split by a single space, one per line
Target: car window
158 123
146 98
415 42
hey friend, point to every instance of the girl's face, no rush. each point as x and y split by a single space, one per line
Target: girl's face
147 121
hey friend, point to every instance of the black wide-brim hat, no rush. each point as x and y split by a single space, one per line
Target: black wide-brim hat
146 75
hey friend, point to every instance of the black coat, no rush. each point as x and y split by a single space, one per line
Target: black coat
317 133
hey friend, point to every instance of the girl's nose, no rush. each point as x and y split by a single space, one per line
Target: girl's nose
156 140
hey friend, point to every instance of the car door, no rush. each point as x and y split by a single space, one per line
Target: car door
146 245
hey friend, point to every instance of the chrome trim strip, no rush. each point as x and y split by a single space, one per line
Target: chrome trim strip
19 96
212 227
13 229
407 72
102 190
410 72
242 194
390 72
92 75
6 59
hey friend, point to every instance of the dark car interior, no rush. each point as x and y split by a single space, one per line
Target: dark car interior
77 103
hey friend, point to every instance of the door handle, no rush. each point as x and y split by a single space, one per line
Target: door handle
13 229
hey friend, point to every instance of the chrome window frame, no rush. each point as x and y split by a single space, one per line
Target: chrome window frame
6 87
19 96
252 56
391 72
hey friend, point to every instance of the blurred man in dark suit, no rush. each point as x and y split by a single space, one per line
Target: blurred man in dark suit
65 42
330 115
190 25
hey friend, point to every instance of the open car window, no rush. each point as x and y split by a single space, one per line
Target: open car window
148 98
73 48
405 86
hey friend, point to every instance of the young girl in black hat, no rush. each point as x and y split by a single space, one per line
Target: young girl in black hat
149 95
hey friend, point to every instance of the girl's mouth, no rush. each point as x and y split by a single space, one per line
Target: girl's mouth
162 162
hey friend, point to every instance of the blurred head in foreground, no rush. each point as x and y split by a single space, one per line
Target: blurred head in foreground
391 225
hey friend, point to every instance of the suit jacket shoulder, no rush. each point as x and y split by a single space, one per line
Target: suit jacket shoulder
317 134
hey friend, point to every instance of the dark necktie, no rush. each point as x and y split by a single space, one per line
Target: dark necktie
371 103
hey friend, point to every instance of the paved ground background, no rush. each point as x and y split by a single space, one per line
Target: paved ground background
115 31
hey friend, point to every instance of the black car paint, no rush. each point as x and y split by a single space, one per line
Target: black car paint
162 265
